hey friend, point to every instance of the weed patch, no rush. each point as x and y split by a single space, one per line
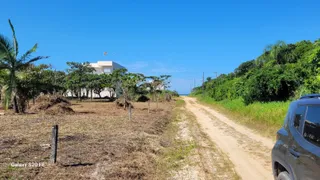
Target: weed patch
266 118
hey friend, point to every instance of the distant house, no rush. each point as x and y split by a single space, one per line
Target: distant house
105 67
101 67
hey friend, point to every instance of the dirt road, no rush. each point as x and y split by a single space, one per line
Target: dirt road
248 151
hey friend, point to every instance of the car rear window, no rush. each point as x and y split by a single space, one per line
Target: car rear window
311 130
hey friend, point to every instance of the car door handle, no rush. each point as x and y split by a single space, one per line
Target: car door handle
294 153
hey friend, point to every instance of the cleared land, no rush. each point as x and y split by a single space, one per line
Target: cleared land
97 142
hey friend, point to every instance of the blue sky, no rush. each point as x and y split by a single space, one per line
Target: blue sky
181 38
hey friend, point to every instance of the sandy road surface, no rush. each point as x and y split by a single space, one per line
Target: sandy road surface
249 152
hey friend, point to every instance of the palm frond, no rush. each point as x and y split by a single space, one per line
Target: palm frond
28 53
22 65
15 42
36 59
5 46
4 66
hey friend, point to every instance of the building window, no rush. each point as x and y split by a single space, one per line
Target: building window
107 70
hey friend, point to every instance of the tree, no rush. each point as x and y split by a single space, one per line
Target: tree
153 86
95 83
281 72
107 83
129 83
270 55
244 68
77 77
32 82
165 81
91 83
165 84
156 85
116 80
9 51
54 80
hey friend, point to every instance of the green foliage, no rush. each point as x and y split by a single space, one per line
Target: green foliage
116 78
96 83
9 61
283 71
40 79
77 76
245 67
129 84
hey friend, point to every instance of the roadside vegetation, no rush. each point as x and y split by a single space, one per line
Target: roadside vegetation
263 117
261 89
175 151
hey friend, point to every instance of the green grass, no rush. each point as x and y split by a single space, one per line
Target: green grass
180 103
178 152
175 152
264 117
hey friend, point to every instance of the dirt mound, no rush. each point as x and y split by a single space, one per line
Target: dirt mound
121 102
143 98
51 104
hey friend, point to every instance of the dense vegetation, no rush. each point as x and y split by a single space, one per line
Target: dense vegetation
281 72
259 91
21 80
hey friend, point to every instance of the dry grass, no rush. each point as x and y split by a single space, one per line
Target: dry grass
97 142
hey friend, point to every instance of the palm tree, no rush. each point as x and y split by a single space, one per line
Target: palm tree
10 62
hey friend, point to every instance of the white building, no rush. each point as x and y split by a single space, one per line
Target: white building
105 66
101 67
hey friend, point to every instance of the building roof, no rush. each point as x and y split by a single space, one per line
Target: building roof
102 63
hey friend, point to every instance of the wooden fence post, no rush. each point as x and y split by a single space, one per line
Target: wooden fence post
54 145
157 102
129 112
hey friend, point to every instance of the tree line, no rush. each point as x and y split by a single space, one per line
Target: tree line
283 71
21 80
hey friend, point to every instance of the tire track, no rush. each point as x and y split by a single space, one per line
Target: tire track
248 151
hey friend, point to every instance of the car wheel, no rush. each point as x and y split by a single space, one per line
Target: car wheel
283 176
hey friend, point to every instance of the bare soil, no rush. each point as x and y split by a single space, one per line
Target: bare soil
248 151
96 142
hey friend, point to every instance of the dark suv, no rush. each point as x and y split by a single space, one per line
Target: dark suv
296 154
